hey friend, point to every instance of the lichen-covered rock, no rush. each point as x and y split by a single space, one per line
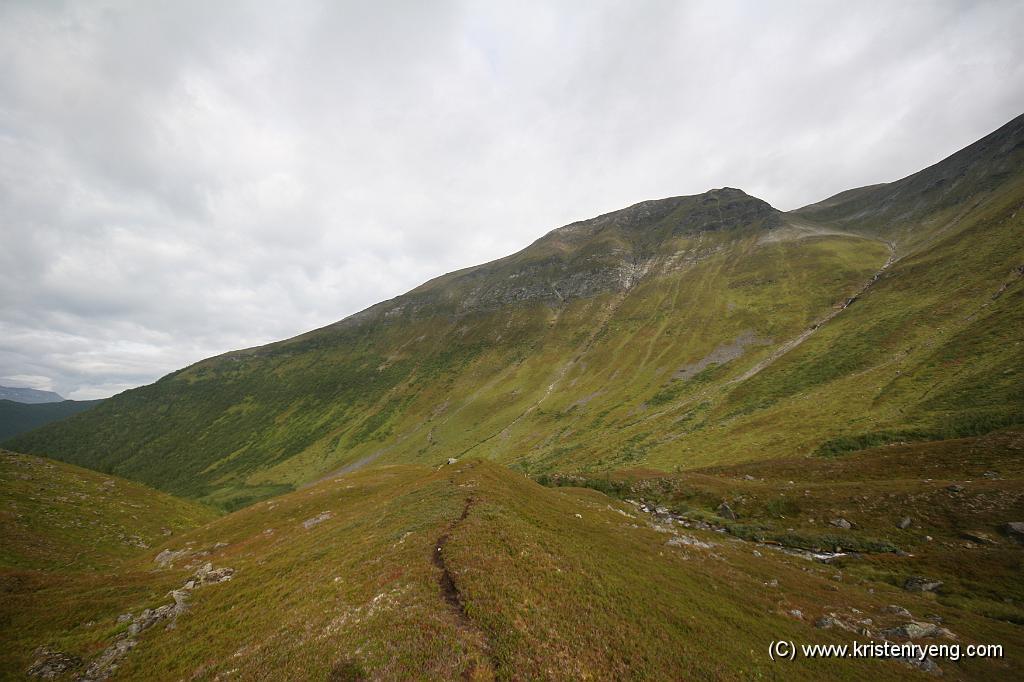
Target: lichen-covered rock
50 663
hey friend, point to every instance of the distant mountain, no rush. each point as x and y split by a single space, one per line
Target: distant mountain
17 417
691 331
28 395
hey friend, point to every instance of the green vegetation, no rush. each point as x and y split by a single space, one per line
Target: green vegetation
825 373
16 418
543 583
55 516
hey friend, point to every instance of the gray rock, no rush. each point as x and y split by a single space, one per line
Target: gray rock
990 475
977 537
916 630
51 663
169 556
797 613
124 618
841 523
919 584
725 511
106 663
955 488
904 523
687 541
924 665
897 610
317 520
1015 529
452 460
825 622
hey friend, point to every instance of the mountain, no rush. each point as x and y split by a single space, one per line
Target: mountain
647 446
19 417
28 395
673 334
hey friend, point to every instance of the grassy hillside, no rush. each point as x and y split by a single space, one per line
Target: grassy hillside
17 417
677 333
468 571
56 516
408 382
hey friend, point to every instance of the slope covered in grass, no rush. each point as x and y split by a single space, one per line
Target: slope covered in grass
677 333
55 516
468 571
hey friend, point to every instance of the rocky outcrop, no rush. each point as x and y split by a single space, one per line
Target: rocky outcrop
50 663
104 665
920 584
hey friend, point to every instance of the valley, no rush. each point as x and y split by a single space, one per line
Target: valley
645 446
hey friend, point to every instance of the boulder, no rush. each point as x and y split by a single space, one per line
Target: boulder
919 584
316 520
1015 529
725 511
904 523
169 556
917 630
977 537
897 610
841 523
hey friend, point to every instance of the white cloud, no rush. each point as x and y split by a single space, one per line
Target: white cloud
181 179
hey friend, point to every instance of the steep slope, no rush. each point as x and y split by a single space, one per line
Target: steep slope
928 205
675 333
56 516
18 417
606 308
463 572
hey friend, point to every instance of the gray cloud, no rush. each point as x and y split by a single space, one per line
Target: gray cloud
181 179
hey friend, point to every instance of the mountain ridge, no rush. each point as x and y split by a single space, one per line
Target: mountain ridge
567 354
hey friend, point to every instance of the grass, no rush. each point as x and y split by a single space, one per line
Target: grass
553 583
56 516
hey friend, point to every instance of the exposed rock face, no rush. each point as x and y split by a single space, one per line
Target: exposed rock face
606 254
51 663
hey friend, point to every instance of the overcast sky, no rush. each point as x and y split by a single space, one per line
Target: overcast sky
179 179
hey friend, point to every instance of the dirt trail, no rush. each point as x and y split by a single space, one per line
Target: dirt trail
483 668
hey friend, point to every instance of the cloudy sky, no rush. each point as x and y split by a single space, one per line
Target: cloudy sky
178 179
